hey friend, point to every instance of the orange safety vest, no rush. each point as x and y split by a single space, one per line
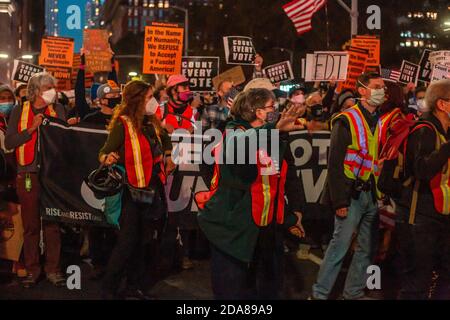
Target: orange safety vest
25 153
183 121
264 190
386 122
139 160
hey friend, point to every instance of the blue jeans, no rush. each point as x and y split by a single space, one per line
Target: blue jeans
363 219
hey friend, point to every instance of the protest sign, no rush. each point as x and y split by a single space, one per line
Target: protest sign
279 72
440 57
326 66
440 72
356 66
239 50
97 50
425 67
56 52
63 75
409 72
65 196
163 48
235 75
370 43
310 154
23 71
200 71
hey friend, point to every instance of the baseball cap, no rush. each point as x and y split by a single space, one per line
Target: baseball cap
109 87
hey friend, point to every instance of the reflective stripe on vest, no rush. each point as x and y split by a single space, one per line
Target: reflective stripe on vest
440 184
361 159
268 184
138 155
25 152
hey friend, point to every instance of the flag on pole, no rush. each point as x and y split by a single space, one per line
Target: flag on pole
301 12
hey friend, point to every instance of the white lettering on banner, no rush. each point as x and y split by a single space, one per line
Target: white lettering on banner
323 145
312 190
74 20
307 151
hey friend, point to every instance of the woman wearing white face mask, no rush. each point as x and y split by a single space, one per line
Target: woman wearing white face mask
138 143
22 135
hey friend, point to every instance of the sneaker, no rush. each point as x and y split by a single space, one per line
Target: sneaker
30 281
57 279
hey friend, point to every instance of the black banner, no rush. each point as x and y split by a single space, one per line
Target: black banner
239 50
310 152
68 155
425 66
23 71
200 71
279 72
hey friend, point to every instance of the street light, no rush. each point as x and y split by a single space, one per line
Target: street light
27 57
4 56
133 74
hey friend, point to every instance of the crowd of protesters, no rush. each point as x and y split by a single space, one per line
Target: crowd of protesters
243 216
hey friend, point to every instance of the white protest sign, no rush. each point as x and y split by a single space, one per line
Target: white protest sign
440 72
279 72
326 66
440 57
239 50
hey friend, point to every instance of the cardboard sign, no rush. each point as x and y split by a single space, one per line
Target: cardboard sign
11 235
440 72
163 49
23 71
98 52
56 52
235 75
239 50
371 43
440 57
326 66
64 77
409 72
279 72
200 71
425 66
356 66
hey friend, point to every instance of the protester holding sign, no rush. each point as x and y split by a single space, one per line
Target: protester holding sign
351 190
216 115
243 218
22 136
137 142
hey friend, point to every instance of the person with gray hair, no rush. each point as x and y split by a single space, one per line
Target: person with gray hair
423 213
22 136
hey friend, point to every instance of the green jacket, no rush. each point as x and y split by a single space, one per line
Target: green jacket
227 218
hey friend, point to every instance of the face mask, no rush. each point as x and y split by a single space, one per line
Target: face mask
273 116
6 107
298 99
421 106
113 102
376 97
49 96
186 96
151 107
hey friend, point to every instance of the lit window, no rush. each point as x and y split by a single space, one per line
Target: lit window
421 44
402 44
136 3
415 44
434 46
408 43
409 14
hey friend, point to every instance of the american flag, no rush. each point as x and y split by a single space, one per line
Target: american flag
390 75
301 12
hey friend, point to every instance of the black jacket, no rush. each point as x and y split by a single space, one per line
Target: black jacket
423 162
338 188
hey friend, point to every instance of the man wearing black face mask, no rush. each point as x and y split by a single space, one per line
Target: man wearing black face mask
109 97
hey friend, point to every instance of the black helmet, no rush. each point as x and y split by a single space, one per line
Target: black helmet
105 181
